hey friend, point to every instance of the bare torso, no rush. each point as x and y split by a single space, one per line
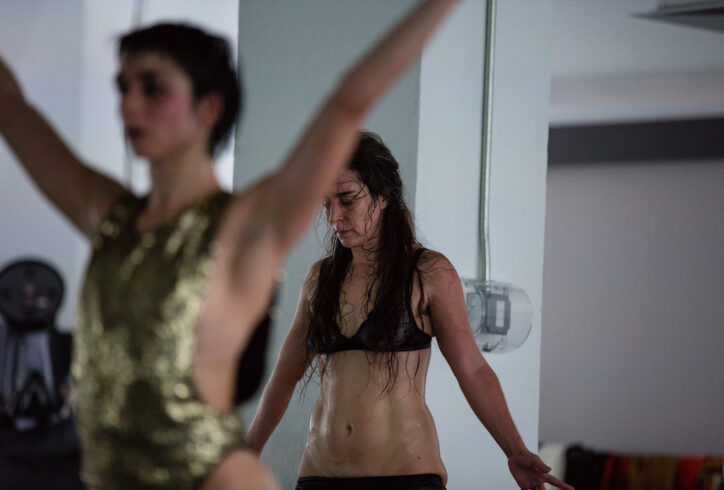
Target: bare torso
362 427
358 429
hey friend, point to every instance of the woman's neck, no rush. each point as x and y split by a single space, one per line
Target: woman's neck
179 182
364 259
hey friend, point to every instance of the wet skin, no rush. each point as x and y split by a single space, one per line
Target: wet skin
360 426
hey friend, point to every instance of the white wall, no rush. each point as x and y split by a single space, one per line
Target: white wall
439 152
42 41
608 65
447 206
633 307
604 39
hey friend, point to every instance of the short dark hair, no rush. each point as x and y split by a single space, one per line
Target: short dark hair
205 58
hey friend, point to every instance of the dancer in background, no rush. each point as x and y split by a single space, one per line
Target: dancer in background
179 278
367 313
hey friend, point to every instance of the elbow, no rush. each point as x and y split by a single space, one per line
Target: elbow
287 380
294 378
482 374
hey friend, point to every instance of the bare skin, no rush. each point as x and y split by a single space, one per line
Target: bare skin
357 428
171 129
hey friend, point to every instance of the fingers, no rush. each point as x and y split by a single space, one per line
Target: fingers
558 483
541 467
538 465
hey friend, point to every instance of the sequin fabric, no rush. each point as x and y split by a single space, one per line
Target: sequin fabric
141 421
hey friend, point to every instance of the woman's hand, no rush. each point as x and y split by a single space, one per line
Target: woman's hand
530 472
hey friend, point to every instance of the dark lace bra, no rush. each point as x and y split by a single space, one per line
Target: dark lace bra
409 336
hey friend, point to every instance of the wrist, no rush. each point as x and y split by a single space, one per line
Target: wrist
516 450
253 443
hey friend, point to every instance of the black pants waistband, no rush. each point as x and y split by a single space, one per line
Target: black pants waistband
428 481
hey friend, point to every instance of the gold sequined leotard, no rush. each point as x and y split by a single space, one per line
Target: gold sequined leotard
140 418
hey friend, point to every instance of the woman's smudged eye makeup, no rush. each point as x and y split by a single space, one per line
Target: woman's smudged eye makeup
149 84
152 89
121 85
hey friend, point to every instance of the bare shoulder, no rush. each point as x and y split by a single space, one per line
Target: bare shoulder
253 194
103 193
264 203
434 268
313 273
247 217
311 280
440 280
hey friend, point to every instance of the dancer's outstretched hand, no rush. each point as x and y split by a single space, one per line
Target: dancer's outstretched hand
530 472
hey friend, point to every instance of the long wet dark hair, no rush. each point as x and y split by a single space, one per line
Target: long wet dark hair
378 170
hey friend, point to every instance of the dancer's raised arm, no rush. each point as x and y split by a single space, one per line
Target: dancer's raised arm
264 222
80 193
296 188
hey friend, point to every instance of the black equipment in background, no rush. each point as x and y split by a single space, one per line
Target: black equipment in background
38 443
34 356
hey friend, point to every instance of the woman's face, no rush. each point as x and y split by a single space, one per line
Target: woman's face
351 211
160 117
